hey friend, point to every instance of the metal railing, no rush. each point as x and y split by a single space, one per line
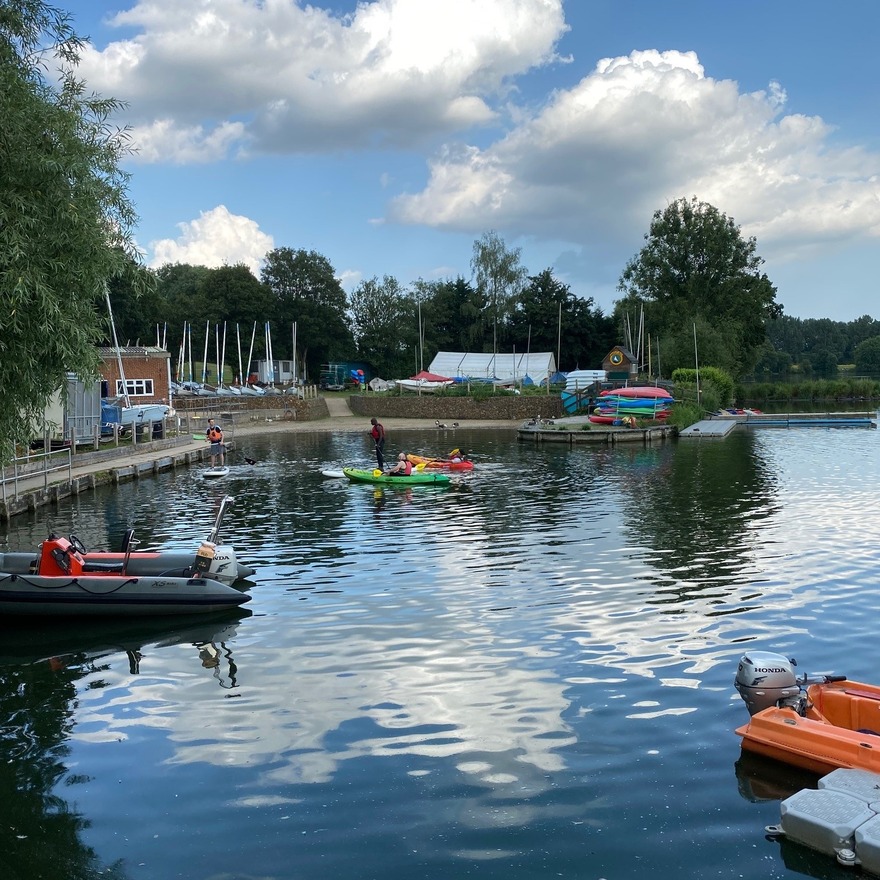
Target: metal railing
32 468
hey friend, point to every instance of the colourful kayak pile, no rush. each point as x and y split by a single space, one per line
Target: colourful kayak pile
625 406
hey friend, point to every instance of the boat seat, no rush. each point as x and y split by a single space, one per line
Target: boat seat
103 567
852 709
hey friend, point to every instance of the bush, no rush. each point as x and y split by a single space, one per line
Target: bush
683 415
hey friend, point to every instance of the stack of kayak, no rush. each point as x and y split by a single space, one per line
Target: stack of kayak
623 406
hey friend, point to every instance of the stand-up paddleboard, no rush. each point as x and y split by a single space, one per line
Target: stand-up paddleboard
213 472
331 474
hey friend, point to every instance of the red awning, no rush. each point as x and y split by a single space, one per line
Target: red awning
430 377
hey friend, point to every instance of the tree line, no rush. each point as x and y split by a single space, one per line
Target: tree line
394 329
819 346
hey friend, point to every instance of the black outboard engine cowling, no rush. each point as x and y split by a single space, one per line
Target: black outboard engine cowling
764 679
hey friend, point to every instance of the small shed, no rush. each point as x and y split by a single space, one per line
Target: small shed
76 417
620 364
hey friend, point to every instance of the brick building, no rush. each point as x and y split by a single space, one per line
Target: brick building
147 374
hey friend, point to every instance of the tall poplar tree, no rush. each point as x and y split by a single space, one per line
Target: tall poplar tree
65 218
499 277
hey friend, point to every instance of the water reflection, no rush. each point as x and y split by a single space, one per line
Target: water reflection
528 673
45 670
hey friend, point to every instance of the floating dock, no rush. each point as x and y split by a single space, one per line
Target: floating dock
709 428
720 425
801 420
579 429
841 818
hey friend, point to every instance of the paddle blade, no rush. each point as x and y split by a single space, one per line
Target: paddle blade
377 472
421 466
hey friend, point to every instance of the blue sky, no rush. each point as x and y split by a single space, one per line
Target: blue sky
390 135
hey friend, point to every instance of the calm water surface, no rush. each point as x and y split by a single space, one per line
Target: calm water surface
526 675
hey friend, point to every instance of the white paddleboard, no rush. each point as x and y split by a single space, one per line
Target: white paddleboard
215 472
334 475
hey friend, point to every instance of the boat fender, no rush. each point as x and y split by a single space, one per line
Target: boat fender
204 557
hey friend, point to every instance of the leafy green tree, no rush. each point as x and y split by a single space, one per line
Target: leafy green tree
867 356
305 290
695 265
65 218
787 335
772 361
452 316
385 327
136 313
857 332
179 288
547 309
232 296
499 278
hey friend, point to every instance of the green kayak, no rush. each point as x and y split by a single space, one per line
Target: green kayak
416 478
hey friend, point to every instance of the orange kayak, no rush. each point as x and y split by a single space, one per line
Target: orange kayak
450 464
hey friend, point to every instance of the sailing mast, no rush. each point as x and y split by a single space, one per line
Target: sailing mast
205 356
251 350
119 352
295 368
238 340
217 355
269 355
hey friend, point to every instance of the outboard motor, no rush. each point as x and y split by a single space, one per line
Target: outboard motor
764 679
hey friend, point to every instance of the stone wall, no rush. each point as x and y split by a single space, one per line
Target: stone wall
447 409
389 406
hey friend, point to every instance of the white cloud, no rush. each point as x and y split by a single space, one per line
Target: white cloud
217 238
639 132
349 278
294 78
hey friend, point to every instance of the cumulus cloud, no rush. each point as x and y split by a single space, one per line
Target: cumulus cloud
217 238
577 172
637 133
280 76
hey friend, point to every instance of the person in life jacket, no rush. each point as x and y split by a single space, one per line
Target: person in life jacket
377 432
403 468
214 435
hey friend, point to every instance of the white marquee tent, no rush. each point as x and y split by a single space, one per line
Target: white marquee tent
537 366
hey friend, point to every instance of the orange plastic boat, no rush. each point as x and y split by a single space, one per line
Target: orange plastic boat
450 464
818 723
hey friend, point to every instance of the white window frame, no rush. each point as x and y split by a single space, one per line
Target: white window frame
136 387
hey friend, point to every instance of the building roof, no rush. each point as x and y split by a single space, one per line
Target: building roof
479 365
144 351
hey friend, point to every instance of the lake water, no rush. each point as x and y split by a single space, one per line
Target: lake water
528 674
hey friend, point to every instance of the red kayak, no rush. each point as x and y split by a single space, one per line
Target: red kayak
637 391
450 464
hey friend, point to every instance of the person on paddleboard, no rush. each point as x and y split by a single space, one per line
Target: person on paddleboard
214 435
377 432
